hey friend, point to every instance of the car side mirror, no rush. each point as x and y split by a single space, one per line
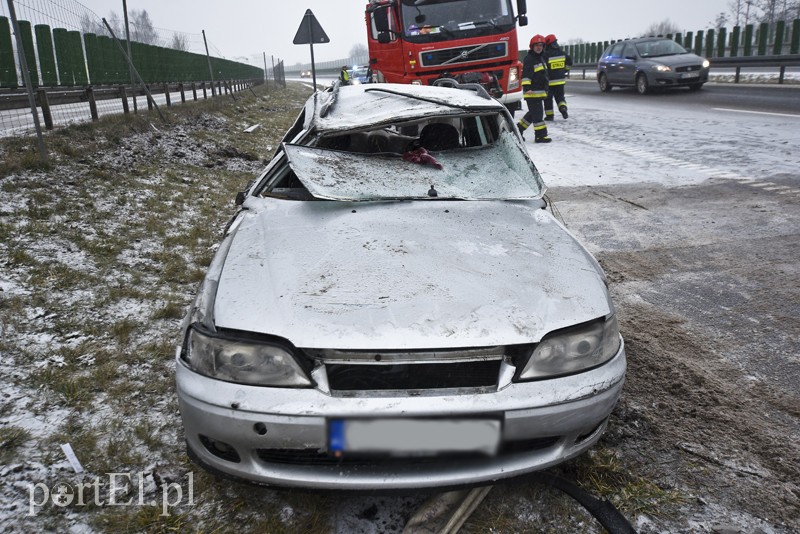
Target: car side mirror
523 20
240 197
384 37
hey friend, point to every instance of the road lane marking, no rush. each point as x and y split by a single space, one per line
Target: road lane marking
758 112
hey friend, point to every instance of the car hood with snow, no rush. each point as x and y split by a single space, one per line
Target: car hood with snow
405 275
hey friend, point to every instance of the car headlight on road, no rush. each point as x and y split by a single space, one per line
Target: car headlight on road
573 349
706 63
244 361
662 68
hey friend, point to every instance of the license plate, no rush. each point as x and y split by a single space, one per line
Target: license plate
412 437
690 75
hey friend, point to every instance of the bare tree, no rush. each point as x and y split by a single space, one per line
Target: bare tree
92 24
116 25
664 27
142 29
720 21
358 52
179 42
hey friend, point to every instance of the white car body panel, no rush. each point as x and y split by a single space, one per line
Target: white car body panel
405 275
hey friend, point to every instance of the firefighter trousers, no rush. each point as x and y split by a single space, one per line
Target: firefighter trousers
556 93
534 117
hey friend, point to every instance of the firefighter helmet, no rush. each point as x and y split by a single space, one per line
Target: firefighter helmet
550 39
536 39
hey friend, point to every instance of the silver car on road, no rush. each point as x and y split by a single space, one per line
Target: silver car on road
648 63
394 306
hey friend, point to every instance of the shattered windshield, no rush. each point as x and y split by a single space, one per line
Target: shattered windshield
500 170
428 20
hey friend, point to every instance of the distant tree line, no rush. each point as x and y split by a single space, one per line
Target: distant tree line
141 28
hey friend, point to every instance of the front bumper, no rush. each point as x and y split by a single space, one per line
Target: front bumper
279 436
675 79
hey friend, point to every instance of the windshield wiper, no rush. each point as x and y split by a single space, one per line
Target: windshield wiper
489 22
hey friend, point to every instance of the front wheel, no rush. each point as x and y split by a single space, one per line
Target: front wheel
642 85
604 85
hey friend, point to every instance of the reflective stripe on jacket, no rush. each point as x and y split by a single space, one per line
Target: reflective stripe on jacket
558 64
534 76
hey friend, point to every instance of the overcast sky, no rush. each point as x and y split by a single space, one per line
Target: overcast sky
247 28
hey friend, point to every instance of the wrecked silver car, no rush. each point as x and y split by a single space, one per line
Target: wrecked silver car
395 307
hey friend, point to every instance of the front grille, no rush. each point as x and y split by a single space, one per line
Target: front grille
463 54
348 377
690 68
315 457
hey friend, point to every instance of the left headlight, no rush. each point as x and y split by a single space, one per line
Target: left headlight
706 63
573 349
244 361
661 68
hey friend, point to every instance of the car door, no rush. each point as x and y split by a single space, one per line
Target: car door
612 61
627 65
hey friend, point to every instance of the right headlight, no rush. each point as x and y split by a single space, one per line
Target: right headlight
241 360
573 349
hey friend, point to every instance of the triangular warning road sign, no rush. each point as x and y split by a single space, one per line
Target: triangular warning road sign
310 32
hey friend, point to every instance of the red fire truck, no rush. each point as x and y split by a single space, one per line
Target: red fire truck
419 41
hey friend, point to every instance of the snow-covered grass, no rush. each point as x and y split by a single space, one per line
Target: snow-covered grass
103 250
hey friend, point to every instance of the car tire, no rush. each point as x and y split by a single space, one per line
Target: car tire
603 82
695 86
642 85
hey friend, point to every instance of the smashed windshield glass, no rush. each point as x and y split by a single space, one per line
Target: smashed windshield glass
500 170
425 20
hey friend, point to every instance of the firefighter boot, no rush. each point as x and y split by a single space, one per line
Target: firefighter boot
542 138
563 109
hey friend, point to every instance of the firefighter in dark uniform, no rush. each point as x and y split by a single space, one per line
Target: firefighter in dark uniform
534 90
558 64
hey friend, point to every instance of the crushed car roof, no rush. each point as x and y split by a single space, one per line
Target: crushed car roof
352 106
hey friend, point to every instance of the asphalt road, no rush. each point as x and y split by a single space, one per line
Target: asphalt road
752 97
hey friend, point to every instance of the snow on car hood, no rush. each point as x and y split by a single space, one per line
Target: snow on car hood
405 274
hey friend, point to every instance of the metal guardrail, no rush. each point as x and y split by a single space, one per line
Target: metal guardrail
738 63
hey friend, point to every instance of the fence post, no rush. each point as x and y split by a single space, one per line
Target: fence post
710 43
123 94
687 40
721 38
777 48
763 36
698 43
210 70
27 77
92 103
150 101
41 96
194 91
748 40
795 48
166 94
735 41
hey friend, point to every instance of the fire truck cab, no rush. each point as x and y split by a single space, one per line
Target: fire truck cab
471 41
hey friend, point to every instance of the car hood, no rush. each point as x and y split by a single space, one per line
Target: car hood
405 274
677 60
